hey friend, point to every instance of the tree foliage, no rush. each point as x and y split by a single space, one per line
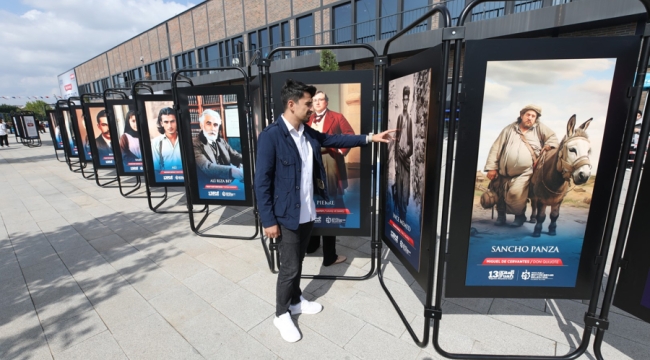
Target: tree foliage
37 107
4 108
328 61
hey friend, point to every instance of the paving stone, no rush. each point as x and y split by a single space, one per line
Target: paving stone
120 307
311 346
153 338
244 308
333 324
210 285
74 330
99 347
382 316
216 337
179 304
227 265
372 343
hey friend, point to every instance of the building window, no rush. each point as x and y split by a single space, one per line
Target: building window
237 51
305 33
186 61
388 21
286 38
209 57
455 7
342 26
252 42
488 10
527 5
411 11
265 47
365 12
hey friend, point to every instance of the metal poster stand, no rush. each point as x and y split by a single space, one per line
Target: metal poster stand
252 142
85 98
56 151
24 139
264 64
591 320
136 186
71 106
602 322
15 130
134 93
447 35
59 107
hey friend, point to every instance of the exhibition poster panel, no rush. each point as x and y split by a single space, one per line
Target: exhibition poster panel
101 135
534 166
342 105
165 146
55 130
219 145
408 110
18 125
129 138
83 133
72 141
633 288
30 126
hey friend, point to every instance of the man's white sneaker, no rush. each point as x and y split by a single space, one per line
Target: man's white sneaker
288 329
305 307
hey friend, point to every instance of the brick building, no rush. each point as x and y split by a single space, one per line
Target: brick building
227 32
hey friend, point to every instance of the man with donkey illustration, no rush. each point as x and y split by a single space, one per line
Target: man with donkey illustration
511 162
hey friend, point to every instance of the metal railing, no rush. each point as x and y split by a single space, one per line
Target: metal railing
527 5
489 10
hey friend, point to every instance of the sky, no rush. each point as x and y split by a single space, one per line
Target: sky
40 39
560 87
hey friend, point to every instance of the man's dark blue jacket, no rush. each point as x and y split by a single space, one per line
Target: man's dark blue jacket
278 166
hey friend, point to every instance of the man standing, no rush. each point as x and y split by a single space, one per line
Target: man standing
403 152
511 159
103 141
289 171
165 148
330 122
3 134
214 157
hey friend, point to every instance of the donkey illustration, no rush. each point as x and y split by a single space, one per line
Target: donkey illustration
553 175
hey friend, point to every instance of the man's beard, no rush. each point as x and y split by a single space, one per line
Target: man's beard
211 136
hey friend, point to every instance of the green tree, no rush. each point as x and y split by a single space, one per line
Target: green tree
37 107
328 61
4 108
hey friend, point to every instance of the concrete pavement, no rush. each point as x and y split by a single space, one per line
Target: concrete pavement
88 274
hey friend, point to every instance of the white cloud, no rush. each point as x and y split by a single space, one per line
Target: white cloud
54 36
494 91
543 72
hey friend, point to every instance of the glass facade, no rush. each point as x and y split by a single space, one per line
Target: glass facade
365 13
305 33
342 24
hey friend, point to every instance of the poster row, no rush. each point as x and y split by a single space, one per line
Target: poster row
537 152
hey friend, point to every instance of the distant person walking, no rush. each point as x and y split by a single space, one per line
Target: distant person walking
3 134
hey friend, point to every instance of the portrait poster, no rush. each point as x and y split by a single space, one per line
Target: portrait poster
55 130
99 137
69 137
538 147
160 138
412 109
345 103
31 128
214 133
633 287
123 124
18 125
79 125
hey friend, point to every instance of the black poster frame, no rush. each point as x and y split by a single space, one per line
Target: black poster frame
51 120
478 54
77 132
112 123
26 134
187 142
64 133
365 78
145 140
90 124
18 125
428 59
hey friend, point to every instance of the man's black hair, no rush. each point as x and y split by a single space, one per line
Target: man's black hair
639 112
164 111
101 114
294 90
